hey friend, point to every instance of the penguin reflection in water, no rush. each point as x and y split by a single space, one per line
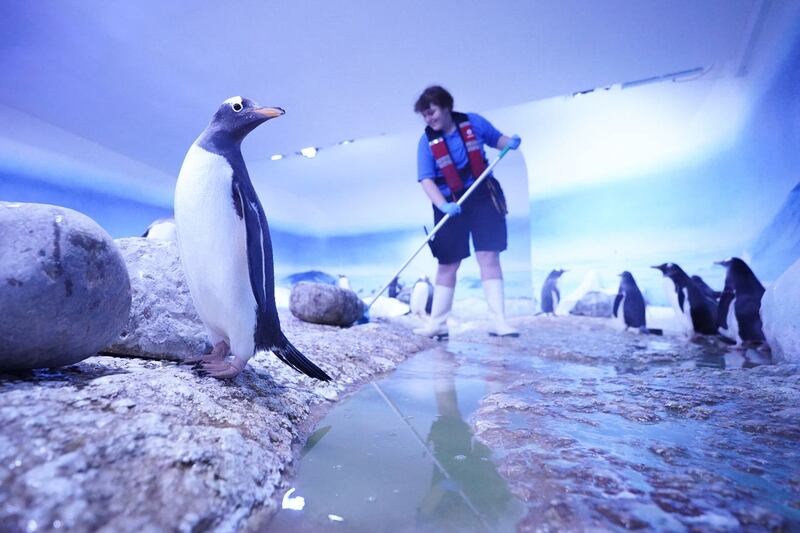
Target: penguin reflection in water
225 246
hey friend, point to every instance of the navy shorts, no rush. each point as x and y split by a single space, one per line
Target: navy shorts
480 218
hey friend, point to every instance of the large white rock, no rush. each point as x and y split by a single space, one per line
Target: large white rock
64 288
780 314
163 323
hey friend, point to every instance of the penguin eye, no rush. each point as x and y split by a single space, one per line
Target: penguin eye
237 106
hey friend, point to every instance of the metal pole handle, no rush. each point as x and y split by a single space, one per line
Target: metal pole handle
441 223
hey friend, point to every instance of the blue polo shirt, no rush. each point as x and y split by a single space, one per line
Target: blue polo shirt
486 133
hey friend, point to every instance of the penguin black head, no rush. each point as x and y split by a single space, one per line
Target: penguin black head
663 267
626 276
736 266
727 262
238 116
674 272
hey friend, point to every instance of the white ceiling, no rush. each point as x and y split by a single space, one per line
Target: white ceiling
142 78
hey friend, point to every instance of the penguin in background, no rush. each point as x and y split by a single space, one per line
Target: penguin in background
744 290
421 300
343 282
633 306
162 229
225 246
550 293
394 288
688 300
705 289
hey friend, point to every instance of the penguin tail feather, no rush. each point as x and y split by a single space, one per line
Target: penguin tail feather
290 355
654 331
726 340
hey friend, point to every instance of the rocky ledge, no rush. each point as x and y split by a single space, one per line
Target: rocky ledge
128 444
595 429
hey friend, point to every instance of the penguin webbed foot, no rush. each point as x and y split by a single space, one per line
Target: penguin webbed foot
217 354
223 369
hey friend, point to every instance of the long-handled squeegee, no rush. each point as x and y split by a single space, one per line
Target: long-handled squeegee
442 223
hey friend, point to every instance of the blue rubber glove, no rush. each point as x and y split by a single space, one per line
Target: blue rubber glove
513 142
450 208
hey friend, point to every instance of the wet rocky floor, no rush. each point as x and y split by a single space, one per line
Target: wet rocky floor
594 428
574 426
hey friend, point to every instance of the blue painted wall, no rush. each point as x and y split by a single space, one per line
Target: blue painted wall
735 202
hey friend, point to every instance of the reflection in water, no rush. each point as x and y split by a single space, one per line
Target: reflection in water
400 456
465 485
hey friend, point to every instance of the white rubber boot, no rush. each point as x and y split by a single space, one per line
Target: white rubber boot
441 306
493 288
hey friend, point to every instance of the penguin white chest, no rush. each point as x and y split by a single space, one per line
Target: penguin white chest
419 298
212 243
620 319
683 316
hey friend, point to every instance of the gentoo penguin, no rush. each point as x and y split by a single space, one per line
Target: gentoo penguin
343 282
699 310
633 307
225 246
550 293
705 289
394 288
421 297
163 229
745 291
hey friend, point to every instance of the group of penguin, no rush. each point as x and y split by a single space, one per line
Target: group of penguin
703 310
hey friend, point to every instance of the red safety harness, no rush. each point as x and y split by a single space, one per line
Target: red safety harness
441 154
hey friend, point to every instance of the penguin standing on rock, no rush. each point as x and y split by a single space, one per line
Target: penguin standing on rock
699 310
633 306
162 229
225 246
343 282
421 300
743 289
550 293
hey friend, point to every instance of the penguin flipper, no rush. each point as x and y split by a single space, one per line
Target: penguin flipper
617 300
259 246
262 282
724 304
290 355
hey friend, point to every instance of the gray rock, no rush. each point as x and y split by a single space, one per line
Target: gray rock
594 303
163 323
780 315
320 303
64 288
101 445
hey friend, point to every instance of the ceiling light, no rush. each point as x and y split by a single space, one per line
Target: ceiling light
309 152
276 157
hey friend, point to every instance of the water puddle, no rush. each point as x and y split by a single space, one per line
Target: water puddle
667 443
401 455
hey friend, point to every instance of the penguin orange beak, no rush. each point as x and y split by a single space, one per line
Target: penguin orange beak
269 112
